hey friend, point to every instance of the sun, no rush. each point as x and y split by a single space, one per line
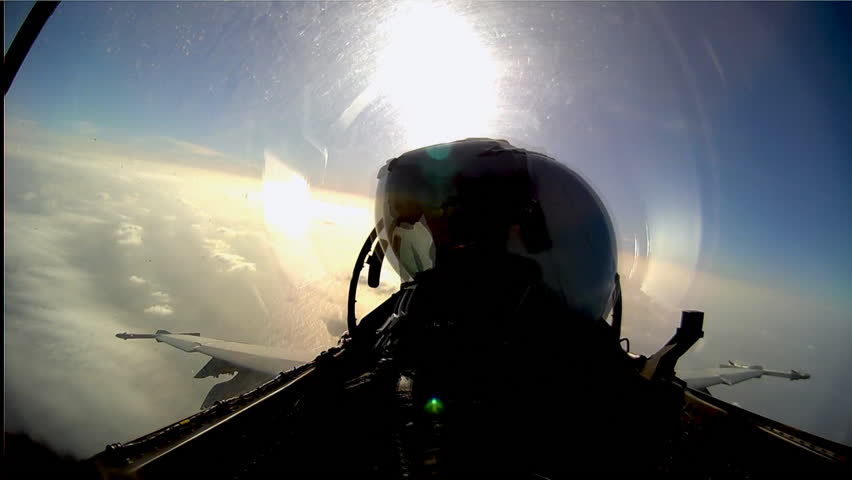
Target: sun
437 74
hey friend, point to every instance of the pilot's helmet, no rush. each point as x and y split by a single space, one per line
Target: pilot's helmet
488 196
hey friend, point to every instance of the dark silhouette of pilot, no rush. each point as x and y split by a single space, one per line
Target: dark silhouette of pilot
510 268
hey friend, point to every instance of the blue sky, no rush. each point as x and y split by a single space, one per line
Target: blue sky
784 153
745 107
764 116
766 113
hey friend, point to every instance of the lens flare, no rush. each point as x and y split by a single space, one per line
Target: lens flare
434 406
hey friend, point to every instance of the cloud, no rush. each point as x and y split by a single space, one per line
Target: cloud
163 296
214 245
104 196
232 262
71 282
63 366
235 263
160 310
230 232
194 148
129 234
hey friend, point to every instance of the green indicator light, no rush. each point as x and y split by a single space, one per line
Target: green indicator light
434 406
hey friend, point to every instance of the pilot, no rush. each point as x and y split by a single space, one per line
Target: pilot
508 260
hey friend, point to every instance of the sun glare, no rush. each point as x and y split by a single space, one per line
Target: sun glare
287 205
313 233
437 74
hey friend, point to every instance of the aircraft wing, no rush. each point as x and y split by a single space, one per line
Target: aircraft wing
733 373
257 358
702 379
252 365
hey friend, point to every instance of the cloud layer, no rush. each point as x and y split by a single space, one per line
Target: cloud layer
94 248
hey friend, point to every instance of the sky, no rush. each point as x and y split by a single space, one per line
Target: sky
717 135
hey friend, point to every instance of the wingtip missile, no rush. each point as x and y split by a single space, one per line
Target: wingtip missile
132 336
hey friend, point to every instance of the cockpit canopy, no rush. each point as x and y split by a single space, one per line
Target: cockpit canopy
484 195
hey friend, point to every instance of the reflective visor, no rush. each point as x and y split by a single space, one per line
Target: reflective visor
488 196
460 194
